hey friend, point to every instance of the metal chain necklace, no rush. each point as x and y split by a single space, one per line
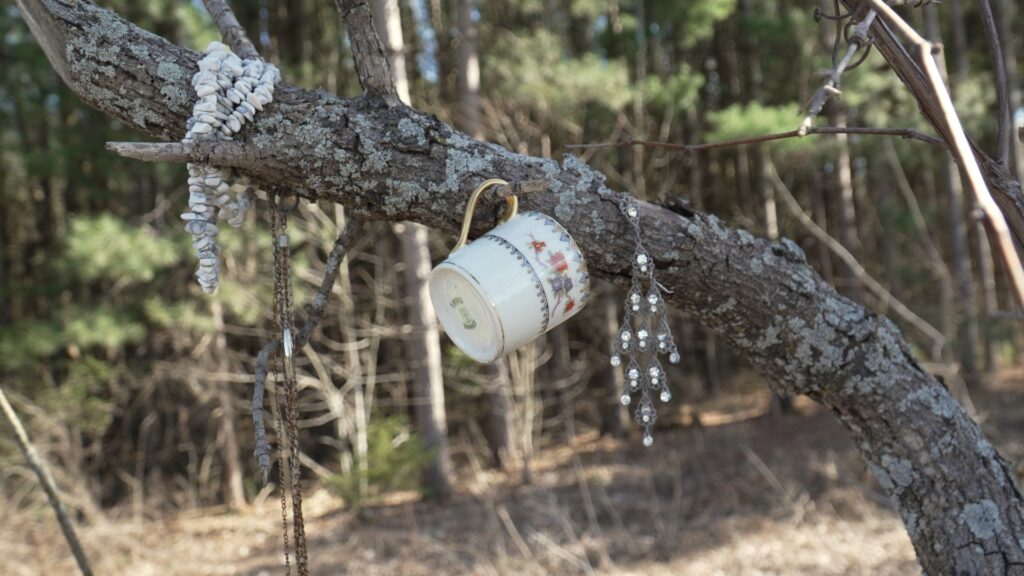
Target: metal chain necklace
285 369
644 333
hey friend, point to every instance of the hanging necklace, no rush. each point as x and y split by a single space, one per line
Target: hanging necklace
285 373
644 333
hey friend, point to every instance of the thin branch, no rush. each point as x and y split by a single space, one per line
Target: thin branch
38 465
372 65
907 133
938 339
960 146
858 41
215 153
230 30
314 315
995 48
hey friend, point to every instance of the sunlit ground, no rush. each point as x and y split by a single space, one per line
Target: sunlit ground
743 493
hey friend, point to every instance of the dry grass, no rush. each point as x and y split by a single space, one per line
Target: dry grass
757 496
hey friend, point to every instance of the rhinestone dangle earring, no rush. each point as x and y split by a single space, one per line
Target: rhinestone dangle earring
644 333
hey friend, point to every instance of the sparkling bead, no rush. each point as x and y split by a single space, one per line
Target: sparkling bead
654 381
635 307
674 358
642 334
652 299
654 370
624 399
631 211
643 268
633 374
642 344
642 259
666 395
634 298
646 418
662 336
625 344
625 336
648 440
616 360
634 384
662 346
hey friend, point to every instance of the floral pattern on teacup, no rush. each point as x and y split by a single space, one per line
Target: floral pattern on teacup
555 260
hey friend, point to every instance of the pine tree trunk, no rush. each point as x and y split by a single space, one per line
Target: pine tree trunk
423 354
423 345
613 414
230 454
963 278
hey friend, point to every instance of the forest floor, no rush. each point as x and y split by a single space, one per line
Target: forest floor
742 493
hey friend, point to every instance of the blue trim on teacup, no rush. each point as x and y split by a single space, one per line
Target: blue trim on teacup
525 263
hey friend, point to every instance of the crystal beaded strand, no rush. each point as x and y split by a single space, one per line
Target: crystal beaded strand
230 92
644 334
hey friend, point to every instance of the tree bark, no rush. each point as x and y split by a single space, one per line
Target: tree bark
957 496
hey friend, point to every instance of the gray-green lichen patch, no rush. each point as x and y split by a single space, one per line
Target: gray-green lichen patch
900 471
982 518
936 400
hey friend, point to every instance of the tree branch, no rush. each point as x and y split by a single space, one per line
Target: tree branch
230 30
372 65
1005 121
314 315
1006 191
961 147
42 471
884 296
858 41
907 133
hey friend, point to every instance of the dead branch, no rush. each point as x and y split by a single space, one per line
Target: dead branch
961 148
314 315
1004 124
858 42
372 65
42 471
906 133
937 338
232 32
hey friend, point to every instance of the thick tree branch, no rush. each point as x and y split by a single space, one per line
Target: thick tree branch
372 65
957 497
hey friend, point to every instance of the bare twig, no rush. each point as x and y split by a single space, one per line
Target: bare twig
46 481
314 315
938 339
995 48
960 145
907 133
858 41
372 65
214 153
230 29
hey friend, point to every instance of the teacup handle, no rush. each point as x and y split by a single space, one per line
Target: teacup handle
511 208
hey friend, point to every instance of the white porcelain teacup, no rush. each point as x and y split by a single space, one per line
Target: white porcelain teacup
510 285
